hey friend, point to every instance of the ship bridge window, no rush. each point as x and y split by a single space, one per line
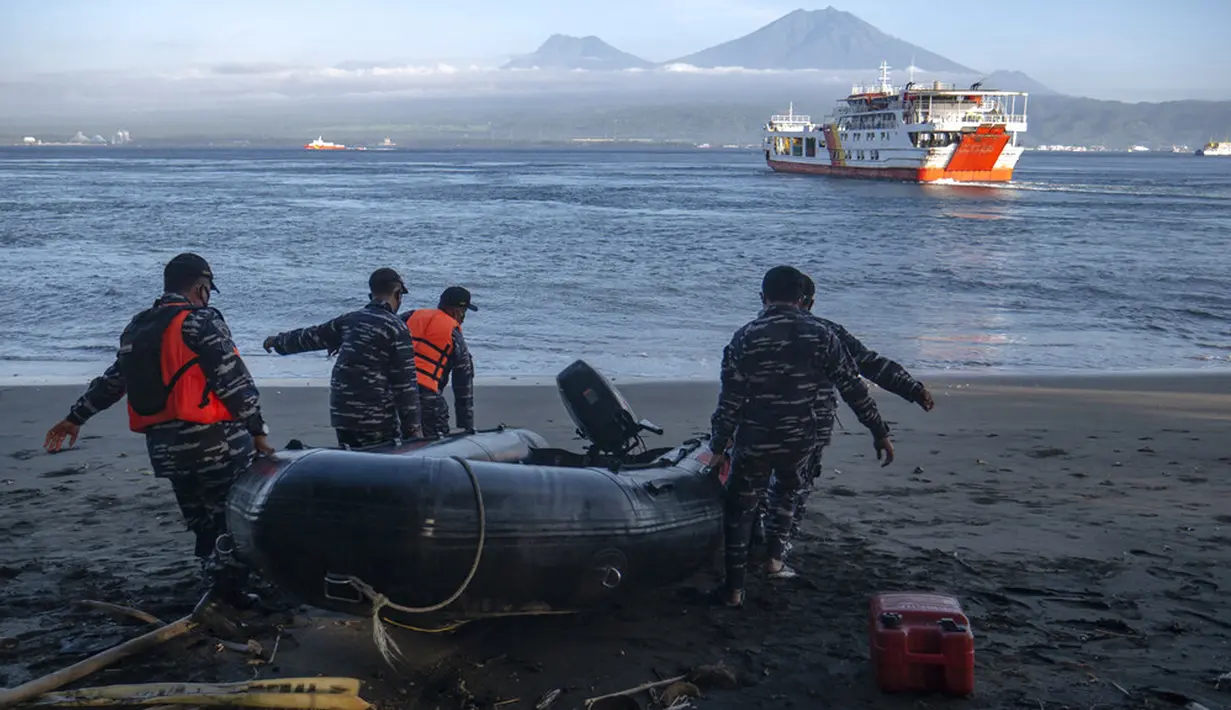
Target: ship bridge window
923 139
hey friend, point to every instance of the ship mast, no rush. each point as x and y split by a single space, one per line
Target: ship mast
885 88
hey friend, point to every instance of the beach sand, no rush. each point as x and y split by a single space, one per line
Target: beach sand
1084 523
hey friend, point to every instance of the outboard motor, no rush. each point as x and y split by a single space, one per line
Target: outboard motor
601 413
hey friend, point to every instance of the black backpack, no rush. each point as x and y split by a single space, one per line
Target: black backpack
141 344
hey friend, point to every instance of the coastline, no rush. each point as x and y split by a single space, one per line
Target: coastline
1151 378
1076 518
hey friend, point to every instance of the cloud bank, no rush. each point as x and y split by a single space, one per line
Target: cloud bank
218 85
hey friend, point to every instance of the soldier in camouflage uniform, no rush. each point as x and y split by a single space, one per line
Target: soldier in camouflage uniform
441 354
775 371
372 395
201 460
882 371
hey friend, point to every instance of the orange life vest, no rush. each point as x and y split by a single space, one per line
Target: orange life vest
431 329
189 397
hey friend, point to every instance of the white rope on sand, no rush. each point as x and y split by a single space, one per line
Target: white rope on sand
384 643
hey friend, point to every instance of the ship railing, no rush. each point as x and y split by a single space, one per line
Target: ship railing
974 117
796 118
793 129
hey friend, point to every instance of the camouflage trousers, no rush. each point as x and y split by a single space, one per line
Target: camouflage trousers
202 461
812 472
751 471
356 439
434 411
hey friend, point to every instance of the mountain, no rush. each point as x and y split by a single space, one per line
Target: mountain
565 52
1016 81
819 39
1117 125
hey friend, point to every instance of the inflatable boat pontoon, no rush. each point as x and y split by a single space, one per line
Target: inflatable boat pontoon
491 523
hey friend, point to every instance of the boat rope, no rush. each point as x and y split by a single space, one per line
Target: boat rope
384 643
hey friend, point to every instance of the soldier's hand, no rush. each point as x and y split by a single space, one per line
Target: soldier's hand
716 464
268 344
925 400
884 446
262 446
56 435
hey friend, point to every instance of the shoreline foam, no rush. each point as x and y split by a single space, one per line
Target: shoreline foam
947 376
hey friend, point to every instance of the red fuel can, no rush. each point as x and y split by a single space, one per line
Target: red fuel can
921 642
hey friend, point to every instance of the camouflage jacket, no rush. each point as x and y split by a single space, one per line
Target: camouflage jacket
373 385
206 333
459 369
885 373
776 374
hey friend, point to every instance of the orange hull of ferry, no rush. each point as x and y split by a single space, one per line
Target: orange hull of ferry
309 146
909 174
973 161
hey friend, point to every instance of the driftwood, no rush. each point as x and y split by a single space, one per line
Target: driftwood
81 669
205 614
251 647
118 610
719 676
301 693
638 689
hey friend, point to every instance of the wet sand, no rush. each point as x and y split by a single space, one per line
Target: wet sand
1084 522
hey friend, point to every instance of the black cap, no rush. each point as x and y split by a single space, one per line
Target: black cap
186 267
380 280
457 296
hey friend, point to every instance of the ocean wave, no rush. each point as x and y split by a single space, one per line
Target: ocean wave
646 262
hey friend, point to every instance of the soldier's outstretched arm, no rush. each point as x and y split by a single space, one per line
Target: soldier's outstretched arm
403 383
463 382
326 336
731 396
207 334
840 368
886 373
102 392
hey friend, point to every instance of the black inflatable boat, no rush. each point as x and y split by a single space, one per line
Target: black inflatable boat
492 523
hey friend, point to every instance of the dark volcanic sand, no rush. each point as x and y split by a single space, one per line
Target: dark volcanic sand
1083 522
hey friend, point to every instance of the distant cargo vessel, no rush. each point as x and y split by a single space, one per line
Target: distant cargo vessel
921 133
1215 148
319 144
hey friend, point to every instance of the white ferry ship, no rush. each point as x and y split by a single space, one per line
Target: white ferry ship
1215 148
920 133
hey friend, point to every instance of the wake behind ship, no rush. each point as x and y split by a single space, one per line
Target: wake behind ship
919 133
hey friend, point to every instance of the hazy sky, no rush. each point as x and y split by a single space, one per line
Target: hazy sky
1125 49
